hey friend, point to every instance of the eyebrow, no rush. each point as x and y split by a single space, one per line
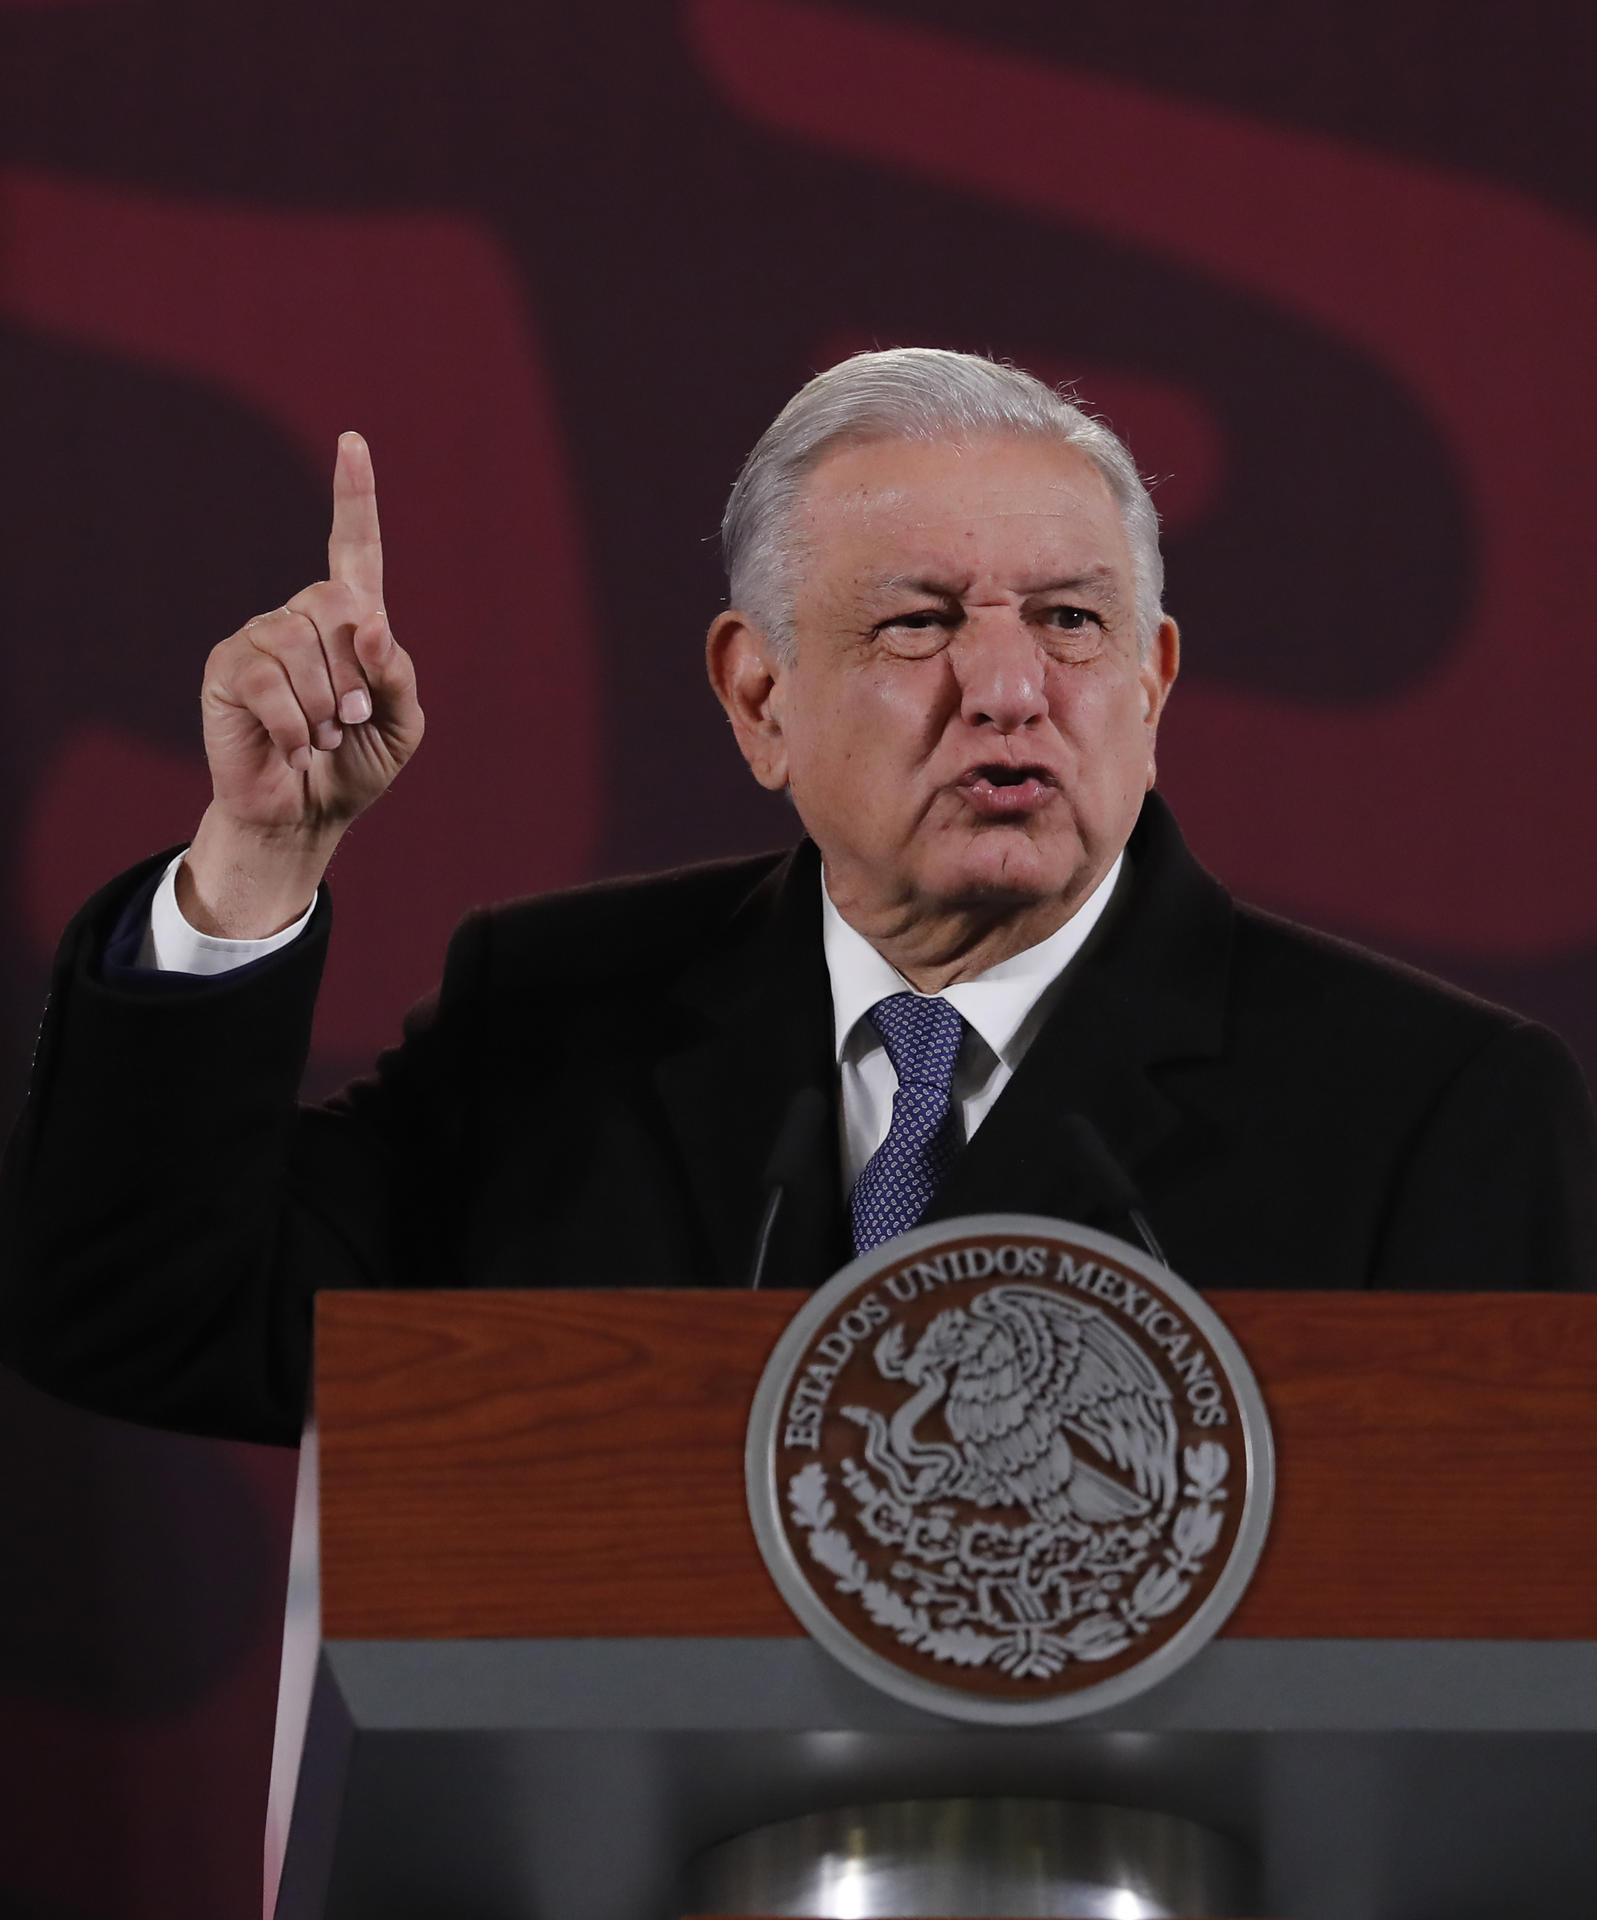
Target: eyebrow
1090 580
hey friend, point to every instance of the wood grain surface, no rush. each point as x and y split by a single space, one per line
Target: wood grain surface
558 1464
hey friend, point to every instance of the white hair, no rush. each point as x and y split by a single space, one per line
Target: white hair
912 393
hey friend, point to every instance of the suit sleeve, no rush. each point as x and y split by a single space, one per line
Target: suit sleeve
1498 1192
168 1211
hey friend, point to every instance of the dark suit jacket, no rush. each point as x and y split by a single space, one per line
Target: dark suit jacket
592 1096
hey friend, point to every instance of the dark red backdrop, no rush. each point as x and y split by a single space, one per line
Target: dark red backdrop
1330 266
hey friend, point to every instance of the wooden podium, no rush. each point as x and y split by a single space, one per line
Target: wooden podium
551 1667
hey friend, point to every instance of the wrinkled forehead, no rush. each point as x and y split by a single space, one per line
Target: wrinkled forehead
1022 513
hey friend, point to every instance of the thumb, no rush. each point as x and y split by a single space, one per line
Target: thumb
389 671
381 657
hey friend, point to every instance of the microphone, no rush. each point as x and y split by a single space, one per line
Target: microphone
1115 1185
796 1140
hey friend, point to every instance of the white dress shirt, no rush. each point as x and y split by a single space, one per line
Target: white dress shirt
1003 1008
171 945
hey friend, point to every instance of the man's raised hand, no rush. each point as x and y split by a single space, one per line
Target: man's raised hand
309 713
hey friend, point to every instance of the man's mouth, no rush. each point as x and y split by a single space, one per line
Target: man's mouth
1001 791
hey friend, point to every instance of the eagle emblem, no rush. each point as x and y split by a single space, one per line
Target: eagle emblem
1024 1485
1016 1378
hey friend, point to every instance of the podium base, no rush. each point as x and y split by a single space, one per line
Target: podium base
974 1860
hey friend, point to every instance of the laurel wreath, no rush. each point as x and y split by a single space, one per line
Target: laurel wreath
1101 1635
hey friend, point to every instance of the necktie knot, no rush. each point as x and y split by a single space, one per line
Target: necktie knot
921 1034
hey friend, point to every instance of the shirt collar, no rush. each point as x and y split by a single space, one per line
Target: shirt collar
997 1003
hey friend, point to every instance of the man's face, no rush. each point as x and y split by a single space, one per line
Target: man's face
966 726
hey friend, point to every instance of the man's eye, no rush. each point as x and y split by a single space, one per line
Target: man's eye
916 634
1071 619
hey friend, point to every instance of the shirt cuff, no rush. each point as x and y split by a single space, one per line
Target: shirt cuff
171 945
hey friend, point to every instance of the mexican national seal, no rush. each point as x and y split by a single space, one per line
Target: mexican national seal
1009 1469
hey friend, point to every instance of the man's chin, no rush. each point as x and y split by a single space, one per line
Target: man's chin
1002 870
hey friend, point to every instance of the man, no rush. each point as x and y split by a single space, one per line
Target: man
945 642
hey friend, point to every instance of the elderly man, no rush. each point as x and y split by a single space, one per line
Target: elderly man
945 642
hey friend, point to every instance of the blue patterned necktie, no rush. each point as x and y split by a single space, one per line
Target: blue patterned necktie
922 1036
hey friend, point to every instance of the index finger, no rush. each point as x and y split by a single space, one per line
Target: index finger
355 545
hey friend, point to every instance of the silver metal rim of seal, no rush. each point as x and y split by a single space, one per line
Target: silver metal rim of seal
764 1496
973 1860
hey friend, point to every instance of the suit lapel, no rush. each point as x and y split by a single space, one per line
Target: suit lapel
751 1024
1148 989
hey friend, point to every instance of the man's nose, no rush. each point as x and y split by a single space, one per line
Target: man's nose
999 667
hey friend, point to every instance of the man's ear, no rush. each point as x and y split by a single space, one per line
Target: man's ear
1157 674
747 677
